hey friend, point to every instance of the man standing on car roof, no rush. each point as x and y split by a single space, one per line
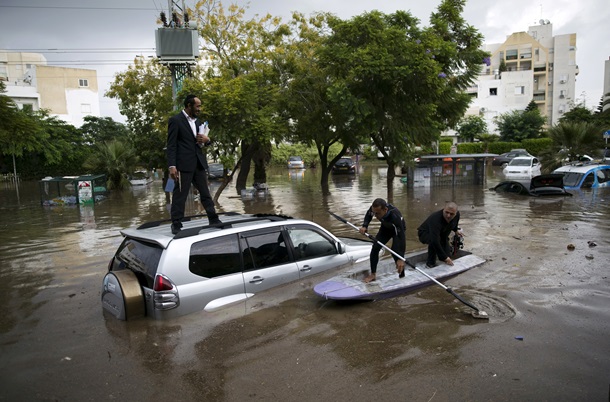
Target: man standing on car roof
392 227
435 233
187 163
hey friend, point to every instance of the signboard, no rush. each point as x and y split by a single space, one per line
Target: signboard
607 134
85 192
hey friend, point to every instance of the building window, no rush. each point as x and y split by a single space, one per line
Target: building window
493 91
511 54
83 83
520 90
85 108
562 93
3 72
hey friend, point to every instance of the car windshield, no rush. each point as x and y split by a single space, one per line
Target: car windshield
294 158
572 179
521 162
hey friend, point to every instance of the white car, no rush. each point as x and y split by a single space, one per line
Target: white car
522 167
206 267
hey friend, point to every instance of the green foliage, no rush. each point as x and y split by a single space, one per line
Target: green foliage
471 148
281 153
536 146
144 92
568 141
103 129
520 125
578 114
115 159
470 127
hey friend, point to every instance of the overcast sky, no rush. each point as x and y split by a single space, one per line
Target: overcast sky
106 35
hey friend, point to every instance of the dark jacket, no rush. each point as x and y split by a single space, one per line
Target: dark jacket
435 230
392 223
182 148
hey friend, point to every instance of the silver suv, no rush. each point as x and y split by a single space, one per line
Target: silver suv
206 267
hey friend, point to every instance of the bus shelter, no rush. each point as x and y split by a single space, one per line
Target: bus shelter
448 170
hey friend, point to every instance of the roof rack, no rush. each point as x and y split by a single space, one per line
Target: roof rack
185 219
255 218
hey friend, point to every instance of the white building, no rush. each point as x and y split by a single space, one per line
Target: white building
528 65
68 93
606 94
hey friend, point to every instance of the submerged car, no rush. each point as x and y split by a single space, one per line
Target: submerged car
585 175
344 165
523 167
505 158
216 171
206 267
296 162
543 185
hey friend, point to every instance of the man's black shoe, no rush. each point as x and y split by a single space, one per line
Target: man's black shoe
428 265
215 221
176 229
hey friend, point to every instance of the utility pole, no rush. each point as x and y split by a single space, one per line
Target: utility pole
177 44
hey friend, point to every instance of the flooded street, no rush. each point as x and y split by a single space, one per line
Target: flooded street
548 338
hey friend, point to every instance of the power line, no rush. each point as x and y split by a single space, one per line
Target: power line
82 8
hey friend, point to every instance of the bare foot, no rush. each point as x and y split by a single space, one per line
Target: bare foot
370 278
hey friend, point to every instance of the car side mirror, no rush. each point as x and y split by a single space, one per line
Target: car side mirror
340 247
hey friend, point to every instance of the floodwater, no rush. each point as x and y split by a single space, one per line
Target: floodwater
548 336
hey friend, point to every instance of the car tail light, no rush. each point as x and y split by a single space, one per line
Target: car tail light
162 284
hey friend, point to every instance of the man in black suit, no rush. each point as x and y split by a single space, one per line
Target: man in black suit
187 163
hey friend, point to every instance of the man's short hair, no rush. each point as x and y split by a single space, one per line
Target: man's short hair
380 202
189 100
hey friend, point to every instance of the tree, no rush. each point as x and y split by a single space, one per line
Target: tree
570 141
470 127
578 114
519 125
403 85
116 159
103 129
19 131
144 92
245 58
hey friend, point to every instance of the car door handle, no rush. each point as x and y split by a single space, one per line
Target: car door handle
306 268
257 279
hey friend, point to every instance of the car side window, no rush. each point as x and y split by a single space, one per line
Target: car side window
215 257
588 181
603 175
309 243
264 250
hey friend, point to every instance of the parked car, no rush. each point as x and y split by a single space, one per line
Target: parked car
344 165
505 158
524 167
586 175
543 185
216 171
206 267
606 155
296 162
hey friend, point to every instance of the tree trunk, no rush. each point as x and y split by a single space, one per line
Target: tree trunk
244 170
390 181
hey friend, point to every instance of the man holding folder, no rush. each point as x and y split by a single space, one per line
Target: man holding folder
186 135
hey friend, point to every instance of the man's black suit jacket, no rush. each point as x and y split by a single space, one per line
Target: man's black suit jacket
182 149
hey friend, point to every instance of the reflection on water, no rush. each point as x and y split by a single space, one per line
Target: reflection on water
46 249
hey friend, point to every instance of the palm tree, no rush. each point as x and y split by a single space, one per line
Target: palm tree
570 141
116 159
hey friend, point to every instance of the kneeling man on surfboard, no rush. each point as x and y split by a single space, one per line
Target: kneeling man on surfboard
435 233
392 227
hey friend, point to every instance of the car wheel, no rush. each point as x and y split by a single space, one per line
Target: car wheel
122 295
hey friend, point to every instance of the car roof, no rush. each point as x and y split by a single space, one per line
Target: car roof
584 168
159 232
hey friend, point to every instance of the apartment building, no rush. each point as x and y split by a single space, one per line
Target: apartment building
606 94
527 65
68 93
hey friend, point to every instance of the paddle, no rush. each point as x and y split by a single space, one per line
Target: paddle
478 313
